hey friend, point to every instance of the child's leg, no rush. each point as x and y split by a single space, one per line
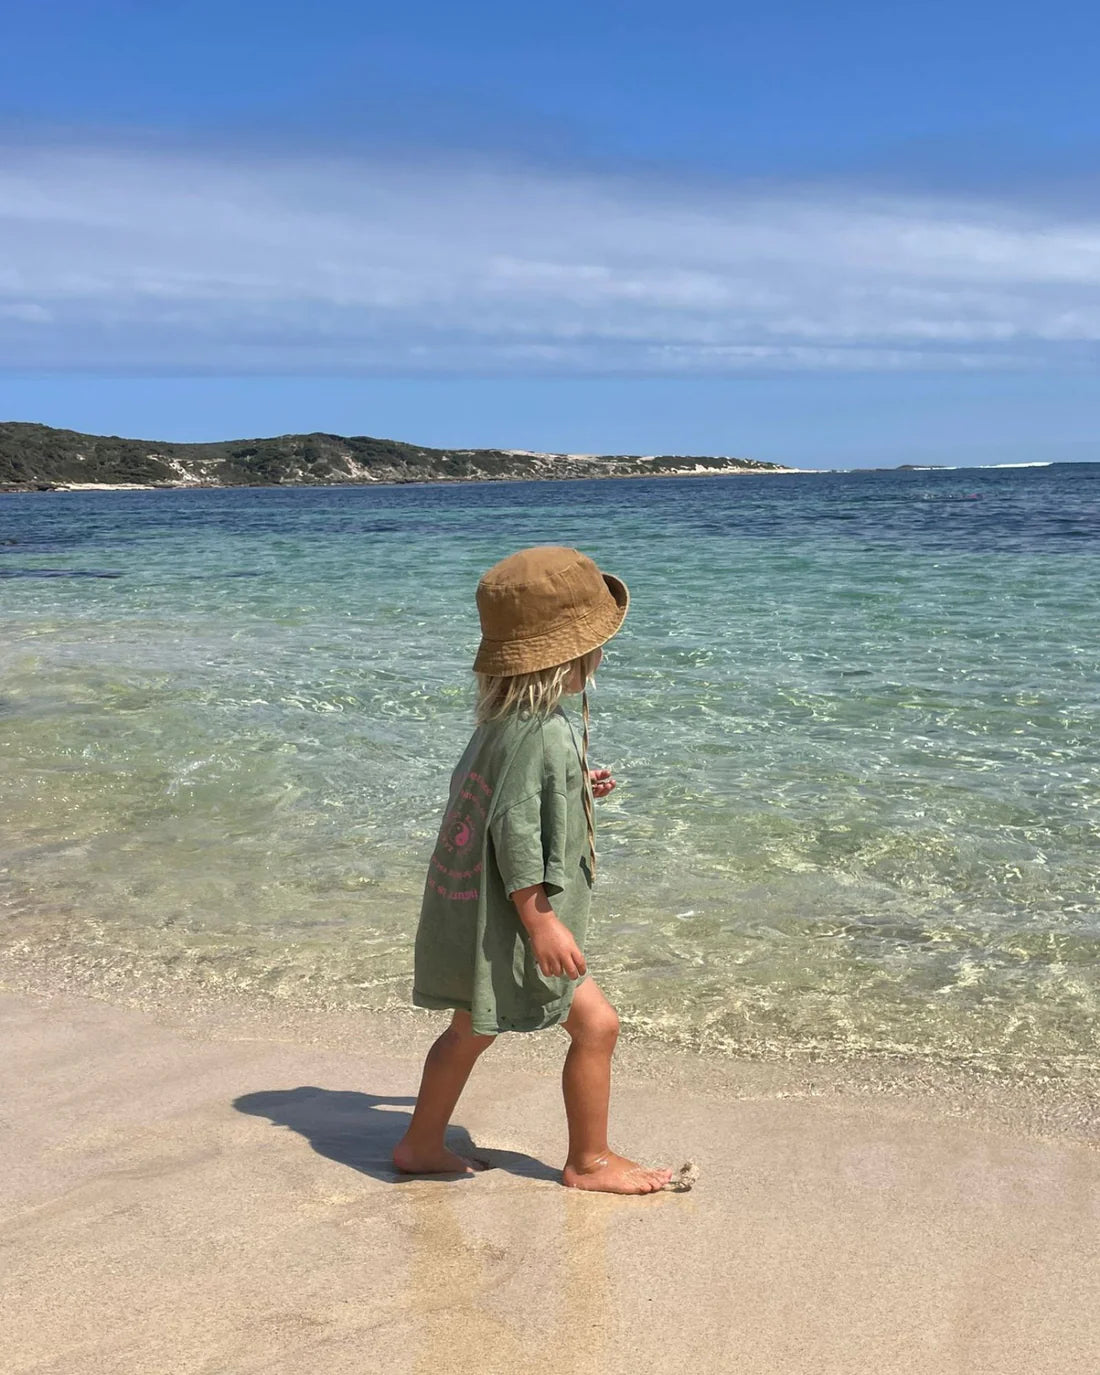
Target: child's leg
446 1069
593 1026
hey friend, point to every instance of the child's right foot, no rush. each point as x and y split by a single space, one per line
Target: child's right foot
614 1174
409 1160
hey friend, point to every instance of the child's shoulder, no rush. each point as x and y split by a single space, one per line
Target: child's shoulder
548 750
528 749
547 733
519 729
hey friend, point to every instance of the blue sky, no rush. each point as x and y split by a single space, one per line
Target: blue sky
827 234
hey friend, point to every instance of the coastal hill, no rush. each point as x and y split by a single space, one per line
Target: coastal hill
38 457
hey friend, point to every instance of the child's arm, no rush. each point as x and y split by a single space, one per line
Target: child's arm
556 952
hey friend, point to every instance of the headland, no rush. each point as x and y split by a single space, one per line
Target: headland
40 458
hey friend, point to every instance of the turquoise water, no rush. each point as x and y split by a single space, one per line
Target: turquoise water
855 719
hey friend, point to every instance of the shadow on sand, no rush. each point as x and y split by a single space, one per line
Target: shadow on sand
360 1130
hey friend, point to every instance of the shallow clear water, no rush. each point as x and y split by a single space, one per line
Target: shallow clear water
855 719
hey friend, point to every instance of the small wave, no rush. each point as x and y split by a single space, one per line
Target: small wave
1045 463
56 573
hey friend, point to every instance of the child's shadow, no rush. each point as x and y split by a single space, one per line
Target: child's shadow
360 1130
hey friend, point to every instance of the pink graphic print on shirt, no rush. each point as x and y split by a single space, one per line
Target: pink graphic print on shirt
456 864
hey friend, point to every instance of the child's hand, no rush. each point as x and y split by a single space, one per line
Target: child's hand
602 782
555 950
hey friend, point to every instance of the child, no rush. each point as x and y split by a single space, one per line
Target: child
505 909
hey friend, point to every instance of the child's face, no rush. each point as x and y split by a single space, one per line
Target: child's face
576 678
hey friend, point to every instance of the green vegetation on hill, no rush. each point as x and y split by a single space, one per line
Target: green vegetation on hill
38 456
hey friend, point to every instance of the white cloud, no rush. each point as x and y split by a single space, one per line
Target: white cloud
25 311
122 259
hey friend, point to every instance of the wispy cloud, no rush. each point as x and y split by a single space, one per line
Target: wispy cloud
122 259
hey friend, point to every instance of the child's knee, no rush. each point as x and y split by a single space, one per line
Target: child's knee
460 1035
598 1027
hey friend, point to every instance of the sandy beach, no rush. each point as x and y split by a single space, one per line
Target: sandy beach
188 1190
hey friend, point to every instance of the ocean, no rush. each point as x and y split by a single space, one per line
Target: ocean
855 720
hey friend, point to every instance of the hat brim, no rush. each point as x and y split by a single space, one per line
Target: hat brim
506 659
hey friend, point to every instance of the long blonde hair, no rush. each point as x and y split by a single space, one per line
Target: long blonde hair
538 694
529 694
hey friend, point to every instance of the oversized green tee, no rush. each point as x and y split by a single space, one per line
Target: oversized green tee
515 817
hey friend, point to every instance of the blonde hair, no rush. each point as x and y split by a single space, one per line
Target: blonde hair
538 694
529 694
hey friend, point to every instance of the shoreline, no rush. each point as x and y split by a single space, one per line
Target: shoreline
439 480
1051 1099
52 950
218 1193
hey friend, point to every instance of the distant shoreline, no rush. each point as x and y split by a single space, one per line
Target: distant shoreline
54 487
40 458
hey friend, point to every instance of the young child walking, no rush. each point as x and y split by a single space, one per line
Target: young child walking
502 926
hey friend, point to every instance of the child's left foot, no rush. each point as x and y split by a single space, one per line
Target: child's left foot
408 1160
614 1174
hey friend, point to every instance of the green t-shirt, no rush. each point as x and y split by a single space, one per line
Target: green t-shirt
515 817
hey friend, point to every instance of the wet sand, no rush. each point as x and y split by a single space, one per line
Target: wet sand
184 1192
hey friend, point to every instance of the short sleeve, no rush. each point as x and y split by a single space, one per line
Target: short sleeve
529 841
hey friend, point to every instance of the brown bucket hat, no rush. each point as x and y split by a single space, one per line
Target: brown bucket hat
543 607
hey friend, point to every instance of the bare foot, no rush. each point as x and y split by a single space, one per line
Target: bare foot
614 1174
408 1160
